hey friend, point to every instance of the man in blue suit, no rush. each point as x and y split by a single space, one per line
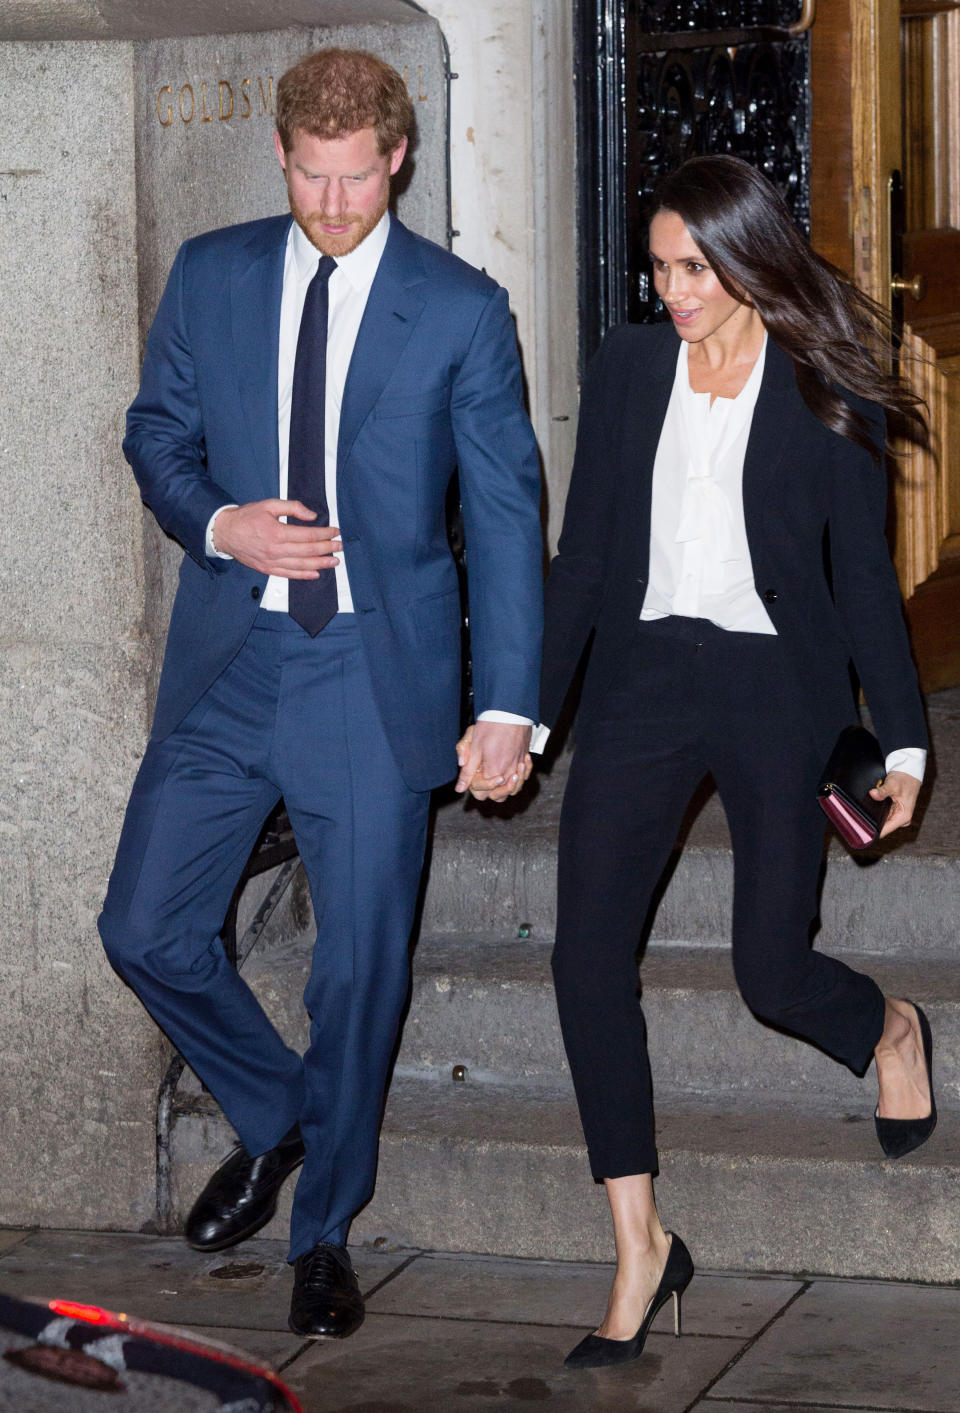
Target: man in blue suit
309 387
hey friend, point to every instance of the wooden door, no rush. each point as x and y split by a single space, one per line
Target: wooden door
885 197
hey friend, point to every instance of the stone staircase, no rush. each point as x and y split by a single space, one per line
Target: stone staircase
768 1156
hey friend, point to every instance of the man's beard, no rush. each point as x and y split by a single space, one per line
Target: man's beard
337 245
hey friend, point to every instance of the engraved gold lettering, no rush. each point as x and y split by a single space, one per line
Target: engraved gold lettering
228 90
164 121
421 96
265 96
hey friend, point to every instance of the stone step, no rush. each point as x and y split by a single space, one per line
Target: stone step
758 1184
487 875
489 1005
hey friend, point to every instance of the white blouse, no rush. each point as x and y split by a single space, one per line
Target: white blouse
699 556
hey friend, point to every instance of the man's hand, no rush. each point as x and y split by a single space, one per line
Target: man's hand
494 760
254 534
903 790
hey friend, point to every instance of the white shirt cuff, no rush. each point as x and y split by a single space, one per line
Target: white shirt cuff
540 737
910 759
508 718
212 551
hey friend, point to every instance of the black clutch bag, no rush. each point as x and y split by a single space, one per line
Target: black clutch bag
855 768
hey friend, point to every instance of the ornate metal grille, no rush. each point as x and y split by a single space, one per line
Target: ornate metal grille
662 80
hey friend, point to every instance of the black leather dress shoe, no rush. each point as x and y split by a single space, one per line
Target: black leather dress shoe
241 1197
326 1297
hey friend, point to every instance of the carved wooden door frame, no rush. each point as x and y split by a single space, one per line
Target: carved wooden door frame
925 526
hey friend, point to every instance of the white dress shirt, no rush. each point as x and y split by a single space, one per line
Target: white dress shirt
349 288
700 564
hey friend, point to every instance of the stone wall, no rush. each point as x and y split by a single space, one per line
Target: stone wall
79 1060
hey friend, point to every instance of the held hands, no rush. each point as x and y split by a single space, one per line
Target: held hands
494 760
903 790
255 535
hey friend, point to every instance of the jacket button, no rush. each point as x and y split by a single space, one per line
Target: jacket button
770 596
255 592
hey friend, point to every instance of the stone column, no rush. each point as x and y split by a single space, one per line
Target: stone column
118 139
80 1062
513 184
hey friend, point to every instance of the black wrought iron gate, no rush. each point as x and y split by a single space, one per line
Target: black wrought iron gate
662 80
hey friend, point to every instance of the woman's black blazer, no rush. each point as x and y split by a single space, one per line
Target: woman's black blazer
800 480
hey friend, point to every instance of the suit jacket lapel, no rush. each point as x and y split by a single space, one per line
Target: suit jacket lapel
778 405
256 289
394 305
648 394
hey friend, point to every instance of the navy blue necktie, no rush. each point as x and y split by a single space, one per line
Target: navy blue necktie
313 602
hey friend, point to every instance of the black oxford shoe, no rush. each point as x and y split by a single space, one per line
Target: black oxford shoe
326 1297
241 1197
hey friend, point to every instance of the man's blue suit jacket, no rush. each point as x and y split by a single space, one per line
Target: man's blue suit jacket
434 385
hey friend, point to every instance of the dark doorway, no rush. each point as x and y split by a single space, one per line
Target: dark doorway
662 80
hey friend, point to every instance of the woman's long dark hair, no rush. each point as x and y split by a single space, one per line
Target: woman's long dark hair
836 336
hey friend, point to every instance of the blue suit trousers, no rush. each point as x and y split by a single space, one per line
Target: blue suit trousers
293 716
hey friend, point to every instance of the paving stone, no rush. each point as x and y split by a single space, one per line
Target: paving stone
274 1347
567 1293
160 1278
724 1405
10 1237
864 1346
395 1364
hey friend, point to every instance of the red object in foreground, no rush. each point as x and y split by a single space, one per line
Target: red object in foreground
66 1343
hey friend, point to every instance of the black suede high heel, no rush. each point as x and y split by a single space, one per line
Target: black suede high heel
901 1136
594 1352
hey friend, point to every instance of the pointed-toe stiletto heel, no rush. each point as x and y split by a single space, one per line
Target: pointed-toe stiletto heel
901 1136
594 1351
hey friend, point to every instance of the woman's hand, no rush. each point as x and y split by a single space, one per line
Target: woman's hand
497 788
903 790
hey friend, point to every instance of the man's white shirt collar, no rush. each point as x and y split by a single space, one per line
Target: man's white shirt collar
360 266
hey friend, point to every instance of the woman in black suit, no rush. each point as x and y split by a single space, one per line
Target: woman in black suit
711 469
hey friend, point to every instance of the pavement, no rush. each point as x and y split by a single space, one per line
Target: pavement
475 1334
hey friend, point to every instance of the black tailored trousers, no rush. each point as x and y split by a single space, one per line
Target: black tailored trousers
689 698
